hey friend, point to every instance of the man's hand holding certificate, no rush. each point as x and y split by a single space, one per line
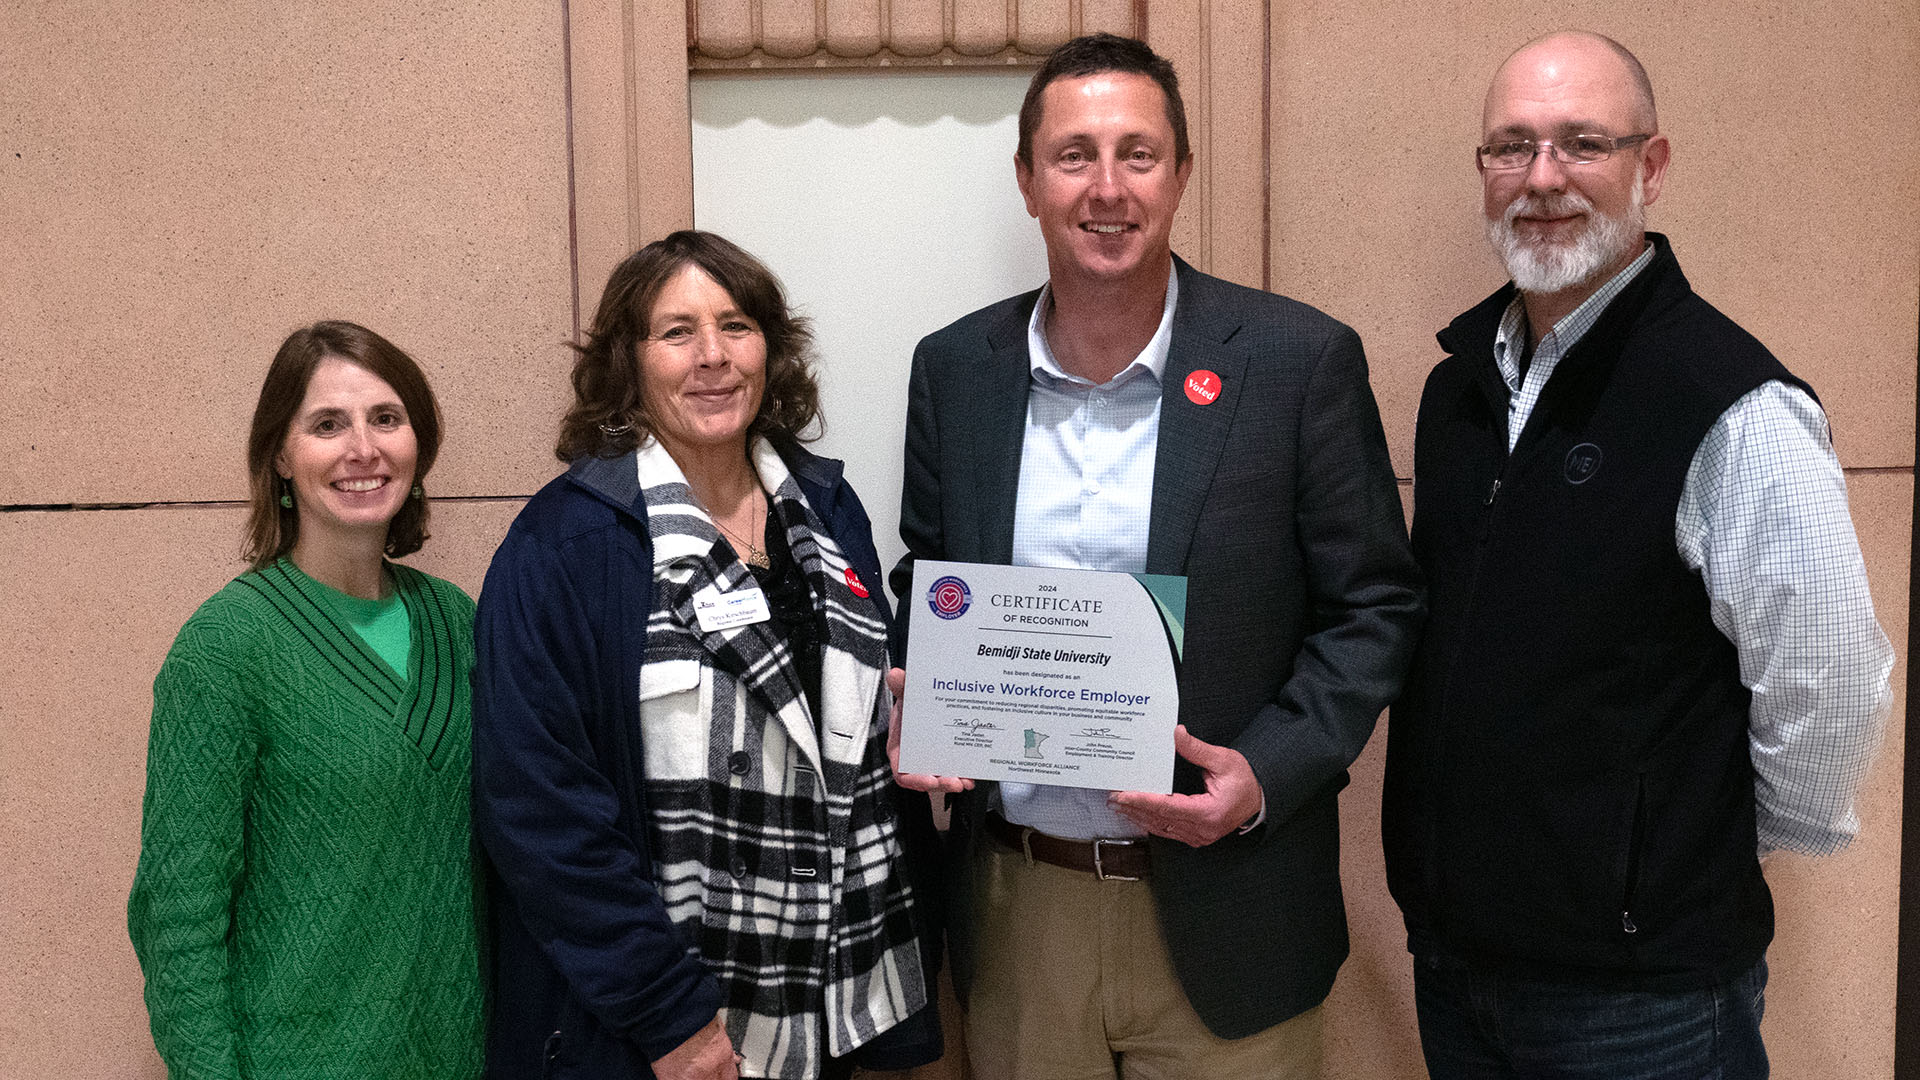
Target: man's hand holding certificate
1043 675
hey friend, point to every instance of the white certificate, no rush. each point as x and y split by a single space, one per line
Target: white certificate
1043 676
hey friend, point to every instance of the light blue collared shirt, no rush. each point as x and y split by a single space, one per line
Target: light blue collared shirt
1086 498
1508 342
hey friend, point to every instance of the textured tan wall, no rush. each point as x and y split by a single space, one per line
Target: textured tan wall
184 183
180 184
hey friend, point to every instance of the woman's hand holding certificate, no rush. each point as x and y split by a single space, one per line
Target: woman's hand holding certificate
897 686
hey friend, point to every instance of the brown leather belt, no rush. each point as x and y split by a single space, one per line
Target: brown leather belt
1108 860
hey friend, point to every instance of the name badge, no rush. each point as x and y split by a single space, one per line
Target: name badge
724 611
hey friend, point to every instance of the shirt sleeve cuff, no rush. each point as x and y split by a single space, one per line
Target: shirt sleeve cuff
1258 819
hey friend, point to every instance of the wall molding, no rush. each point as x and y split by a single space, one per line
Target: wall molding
631 60
735 34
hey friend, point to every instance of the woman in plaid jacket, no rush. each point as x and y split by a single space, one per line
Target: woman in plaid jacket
700 861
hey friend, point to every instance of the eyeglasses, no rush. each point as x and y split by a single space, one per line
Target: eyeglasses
1572 150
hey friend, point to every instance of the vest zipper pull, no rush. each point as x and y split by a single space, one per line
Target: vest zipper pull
1626 922
1493 491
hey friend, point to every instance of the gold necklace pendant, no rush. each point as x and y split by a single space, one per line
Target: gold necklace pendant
754 555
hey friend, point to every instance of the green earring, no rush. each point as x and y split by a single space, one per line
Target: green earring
286 495
418 492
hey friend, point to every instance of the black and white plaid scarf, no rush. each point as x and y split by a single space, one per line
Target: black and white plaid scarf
774 844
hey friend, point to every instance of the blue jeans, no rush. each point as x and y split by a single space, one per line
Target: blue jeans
1477 1025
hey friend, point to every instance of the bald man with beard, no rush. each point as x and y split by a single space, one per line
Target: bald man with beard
1651 657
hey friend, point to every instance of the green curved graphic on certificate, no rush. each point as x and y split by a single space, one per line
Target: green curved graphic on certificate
1169 595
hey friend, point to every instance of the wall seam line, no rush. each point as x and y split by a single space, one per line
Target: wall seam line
1266 146
573 182
630 105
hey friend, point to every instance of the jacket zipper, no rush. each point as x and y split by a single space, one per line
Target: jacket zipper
1635 844
1433 770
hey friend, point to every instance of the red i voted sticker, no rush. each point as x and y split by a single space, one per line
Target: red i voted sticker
853 582
1203 387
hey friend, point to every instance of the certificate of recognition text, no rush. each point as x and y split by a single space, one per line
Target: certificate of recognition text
1043 675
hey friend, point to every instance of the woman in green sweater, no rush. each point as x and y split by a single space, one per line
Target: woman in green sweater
304 905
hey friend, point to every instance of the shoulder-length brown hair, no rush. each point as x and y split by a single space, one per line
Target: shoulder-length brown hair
272 528
609 412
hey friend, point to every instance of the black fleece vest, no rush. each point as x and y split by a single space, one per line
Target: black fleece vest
1569 791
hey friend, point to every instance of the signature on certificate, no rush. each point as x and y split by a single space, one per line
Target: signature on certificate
1100 733
973 725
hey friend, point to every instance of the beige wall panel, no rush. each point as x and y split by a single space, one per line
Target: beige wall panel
1371 1031
94 601
658 133
1812 243
739 34
1113 16
1792 197
789 27
1040 26
604 220
465 535
1218 47
854 28
185 183
1178 31
1233 80
632 140
980 27
916 27
1374 195
723 27
1831 995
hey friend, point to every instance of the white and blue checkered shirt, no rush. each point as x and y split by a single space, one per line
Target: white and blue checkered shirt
1086 499
1763 519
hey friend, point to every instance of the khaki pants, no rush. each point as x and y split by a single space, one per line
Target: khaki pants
1073 983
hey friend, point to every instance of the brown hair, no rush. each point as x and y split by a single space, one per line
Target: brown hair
608 416
1096 54
272 528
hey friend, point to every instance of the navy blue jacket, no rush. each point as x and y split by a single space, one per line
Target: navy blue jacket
590 978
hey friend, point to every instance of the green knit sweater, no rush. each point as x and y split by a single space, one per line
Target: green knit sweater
305 902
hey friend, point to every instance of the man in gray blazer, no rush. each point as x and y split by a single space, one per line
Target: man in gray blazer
1138 415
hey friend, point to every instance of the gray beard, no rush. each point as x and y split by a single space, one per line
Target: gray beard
1551 268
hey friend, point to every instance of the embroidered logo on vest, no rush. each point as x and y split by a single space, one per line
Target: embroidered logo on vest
1582 462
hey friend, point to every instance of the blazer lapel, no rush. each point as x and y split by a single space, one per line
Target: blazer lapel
999 431
1192 435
